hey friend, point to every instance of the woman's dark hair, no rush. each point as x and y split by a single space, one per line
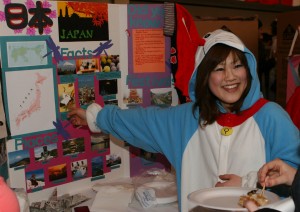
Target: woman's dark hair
206 101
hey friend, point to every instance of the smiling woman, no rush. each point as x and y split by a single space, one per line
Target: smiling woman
222 136
225 71
229 80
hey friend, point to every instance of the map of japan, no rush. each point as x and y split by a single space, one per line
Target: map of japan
31 101
35 104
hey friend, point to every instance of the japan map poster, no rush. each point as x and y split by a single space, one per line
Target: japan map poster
30 100
49 67
30 84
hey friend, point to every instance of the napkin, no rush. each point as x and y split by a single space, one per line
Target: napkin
114 198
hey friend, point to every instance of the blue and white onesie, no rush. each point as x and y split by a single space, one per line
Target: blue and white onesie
261 133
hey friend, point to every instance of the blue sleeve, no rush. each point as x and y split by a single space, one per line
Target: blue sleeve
282 139
154 129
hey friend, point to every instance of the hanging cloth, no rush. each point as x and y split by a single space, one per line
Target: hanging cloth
186 40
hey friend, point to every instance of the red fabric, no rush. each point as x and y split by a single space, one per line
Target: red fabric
293 107
232 120
187 42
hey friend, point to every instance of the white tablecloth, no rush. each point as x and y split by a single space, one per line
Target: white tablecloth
134 206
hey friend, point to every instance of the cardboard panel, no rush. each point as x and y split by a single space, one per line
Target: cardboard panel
287 25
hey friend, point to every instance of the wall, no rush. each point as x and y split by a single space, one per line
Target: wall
232 8
229 8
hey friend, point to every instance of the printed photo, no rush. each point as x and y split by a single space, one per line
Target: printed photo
133 96
79 169
97 166
110 63
73 146
86 90
82 21
108 87
113 160
100 142
35 179
161 97
3 153
66 93
46 152
19 158
66 67
85 66
57 173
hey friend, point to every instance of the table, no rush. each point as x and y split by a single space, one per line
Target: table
134 206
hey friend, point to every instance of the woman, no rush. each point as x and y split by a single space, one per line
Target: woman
220 138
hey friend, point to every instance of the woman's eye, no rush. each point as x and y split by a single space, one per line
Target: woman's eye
219 69
238 65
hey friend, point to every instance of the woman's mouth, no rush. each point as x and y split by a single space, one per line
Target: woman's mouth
230 86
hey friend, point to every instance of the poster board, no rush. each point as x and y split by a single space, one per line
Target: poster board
66 54
286 27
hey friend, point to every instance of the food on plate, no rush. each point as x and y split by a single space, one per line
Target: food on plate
258 198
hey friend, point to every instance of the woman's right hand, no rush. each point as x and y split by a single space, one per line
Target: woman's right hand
77 117
276 172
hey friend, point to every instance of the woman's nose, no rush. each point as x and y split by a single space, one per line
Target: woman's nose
229 75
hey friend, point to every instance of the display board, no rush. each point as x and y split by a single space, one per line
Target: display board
59 55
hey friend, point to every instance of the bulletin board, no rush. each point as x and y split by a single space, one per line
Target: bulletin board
72 54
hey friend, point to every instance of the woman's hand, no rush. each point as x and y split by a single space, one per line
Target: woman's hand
77 117
231 180
276 172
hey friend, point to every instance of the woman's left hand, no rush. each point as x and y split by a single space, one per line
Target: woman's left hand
229 180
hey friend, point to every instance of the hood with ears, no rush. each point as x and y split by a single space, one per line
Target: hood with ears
227 38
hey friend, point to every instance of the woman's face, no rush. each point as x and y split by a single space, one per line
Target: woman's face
228 80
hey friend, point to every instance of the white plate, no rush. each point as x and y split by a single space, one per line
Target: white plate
165 192
224 198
